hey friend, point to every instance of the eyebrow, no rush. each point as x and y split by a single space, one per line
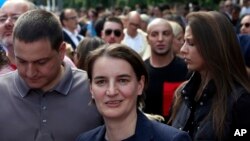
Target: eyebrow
119 76
160 31
46 58
6 14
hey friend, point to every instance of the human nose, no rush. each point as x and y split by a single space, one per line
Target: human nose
183 49
160 37
112 34
112 89
8 20
31 71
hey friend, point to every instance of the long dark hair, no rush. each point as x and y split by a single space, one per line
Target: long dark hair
218 45
83 49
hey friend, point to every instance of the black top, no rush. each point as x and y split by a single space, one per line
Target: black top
162 83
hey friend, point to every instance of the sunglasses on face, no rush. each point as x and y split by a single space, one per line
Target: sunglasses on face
245 24
117 32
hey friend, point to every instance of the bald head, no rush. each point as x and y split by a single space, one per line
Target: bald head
9 13
133 14
134 22
160 38
156 22
25 4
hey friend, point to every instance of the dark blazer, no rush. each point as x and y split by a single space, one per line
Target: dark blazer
245 47
146 130
67 39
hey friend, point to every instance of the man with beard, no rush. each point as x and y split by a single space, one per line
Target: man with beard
9 13
45 99
166 71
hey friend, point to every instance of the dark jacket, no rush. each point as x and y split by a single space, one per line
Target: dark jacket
146 130
245 47
193 116
67 39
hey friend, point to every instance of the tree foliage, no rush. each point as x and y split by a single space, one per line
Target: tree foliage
131 3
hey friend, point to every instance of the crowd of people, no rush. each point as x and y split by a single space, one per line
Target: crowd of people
164 73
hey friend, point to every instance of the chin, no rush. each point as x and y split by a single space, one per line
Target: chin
191 68
111 113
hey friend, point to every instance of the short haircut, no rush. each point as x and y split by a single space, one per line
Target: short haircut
115 20
62 14
39 24
123 52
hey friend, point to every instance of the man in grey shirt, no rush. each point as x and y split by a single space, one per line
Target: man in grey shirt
44 100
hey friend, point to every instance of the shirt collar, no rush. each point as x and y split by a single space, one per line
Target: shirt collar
63 87
190 89
69 32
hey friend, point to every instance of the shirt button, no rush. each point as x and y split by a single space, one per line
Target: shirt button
185 97
180 128
44 120
44 107
201 103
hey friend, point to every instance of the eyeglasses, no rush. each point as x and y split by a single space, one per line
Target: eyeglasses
117 32
4 18
245 24
135 24
71 18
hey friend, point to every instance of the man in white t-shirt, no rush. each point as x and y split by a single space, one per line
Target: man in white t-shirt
135 37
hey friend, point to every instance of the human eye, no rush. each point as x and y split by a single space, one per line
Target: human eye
166 33
154 34
189 42
123 81
15 17
100 82
3 19
20 61
41 62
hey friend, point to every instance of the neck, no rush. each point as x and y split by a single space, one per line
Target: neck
161 61
117 130
132 33
70 30
11 57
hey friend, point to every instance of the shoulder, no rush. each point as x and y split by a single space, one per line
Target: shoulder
78 71
166 132
76 78
74 73
146 62
179 62
7 77
141 32
244 40
92 135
